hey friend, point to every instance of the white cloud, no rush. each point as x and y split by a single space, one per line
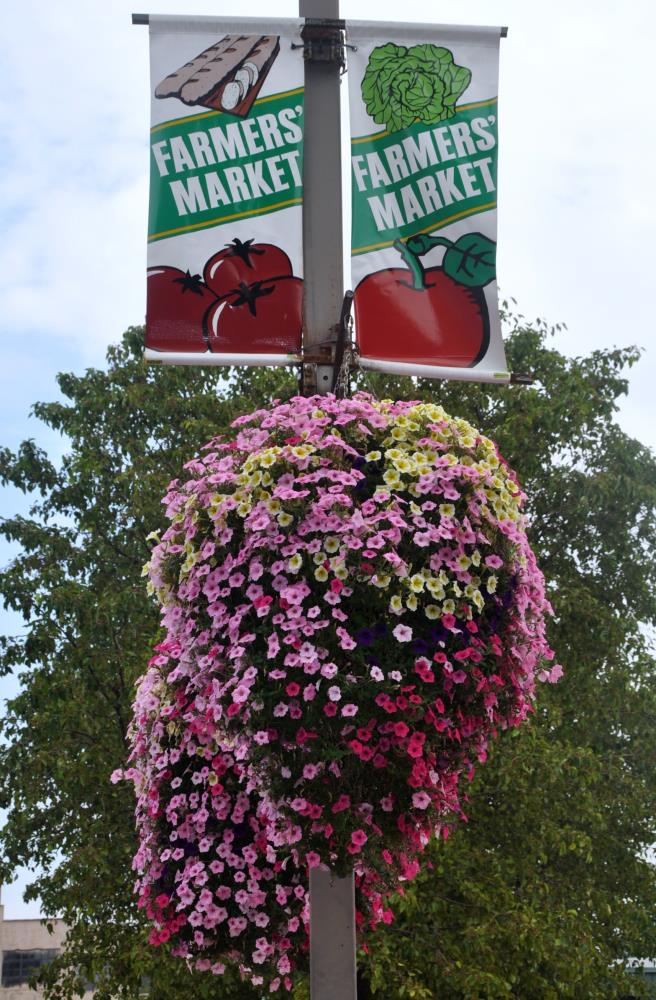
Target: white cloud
77 273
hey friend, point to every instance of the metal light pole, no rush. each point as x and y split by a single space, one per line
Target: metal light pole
322 192
332 902
332 937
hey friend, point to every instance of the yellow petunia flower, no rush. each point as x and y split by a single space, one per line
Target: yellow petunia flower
396 604
392 478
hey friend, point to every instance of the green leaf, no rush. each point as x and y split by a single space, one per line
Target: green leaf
471 260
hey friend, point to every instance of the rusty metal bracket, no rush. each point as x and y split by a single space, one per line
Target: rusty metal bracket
321 356
518 378
317 366
340 376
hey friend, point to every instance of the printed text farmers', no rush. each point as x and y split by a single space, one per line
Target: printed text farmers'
424 173
208 170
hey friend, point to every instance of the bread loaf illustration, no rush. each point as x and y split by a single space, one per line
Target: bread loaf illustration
171 85
227 76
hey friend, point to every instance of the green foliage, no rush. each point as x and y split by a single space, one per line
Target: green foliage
545 892
403 85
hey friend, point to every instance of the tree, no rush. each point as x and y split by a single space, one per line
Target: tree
546 891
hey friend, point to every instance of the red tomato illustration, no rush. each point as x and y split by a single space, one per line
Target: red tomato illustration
176 306
245 261
442 323
262 317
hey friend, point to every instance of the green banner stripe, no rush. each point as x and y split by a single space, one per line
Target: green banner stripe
214 168
461 107
424 177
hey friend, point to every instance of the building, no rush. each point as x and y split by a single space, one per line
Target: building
25 945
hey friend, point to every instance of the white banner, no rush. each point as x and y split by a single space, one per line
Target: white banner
225 261
423 112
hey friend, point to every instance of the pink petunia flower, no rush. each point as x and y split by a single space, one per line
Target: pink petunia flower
421 800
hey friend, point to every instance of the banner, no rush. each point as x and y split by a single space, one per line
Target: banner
423 111
225 261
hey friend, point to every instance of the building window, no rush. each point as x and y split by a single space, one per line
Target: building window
18 966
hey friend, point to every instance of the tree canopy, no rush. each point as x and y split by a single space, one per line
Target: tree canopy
547 890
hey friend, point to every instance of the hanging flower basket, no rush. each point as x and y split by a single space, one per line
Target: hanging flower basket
352 612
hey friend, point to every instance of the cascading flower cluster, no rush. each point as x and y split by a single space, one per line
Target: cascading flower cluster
352 611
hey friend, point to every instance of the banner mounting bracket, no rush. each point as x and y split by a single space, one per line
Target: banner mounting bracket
323 40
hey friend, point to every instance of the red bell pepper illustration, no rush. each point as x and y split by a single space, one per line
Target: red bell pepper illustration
435 315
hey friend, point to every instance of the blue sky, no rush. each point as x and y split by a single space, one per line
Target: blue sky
577 210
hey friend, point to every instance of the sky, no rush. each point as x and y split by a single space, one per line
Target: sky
577 202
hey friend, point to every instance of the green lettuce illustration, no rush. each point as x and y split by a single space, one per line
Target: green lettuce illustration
402 85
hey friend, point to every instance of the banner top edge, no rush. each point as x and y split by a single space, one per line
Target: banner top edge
373 29
187 22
